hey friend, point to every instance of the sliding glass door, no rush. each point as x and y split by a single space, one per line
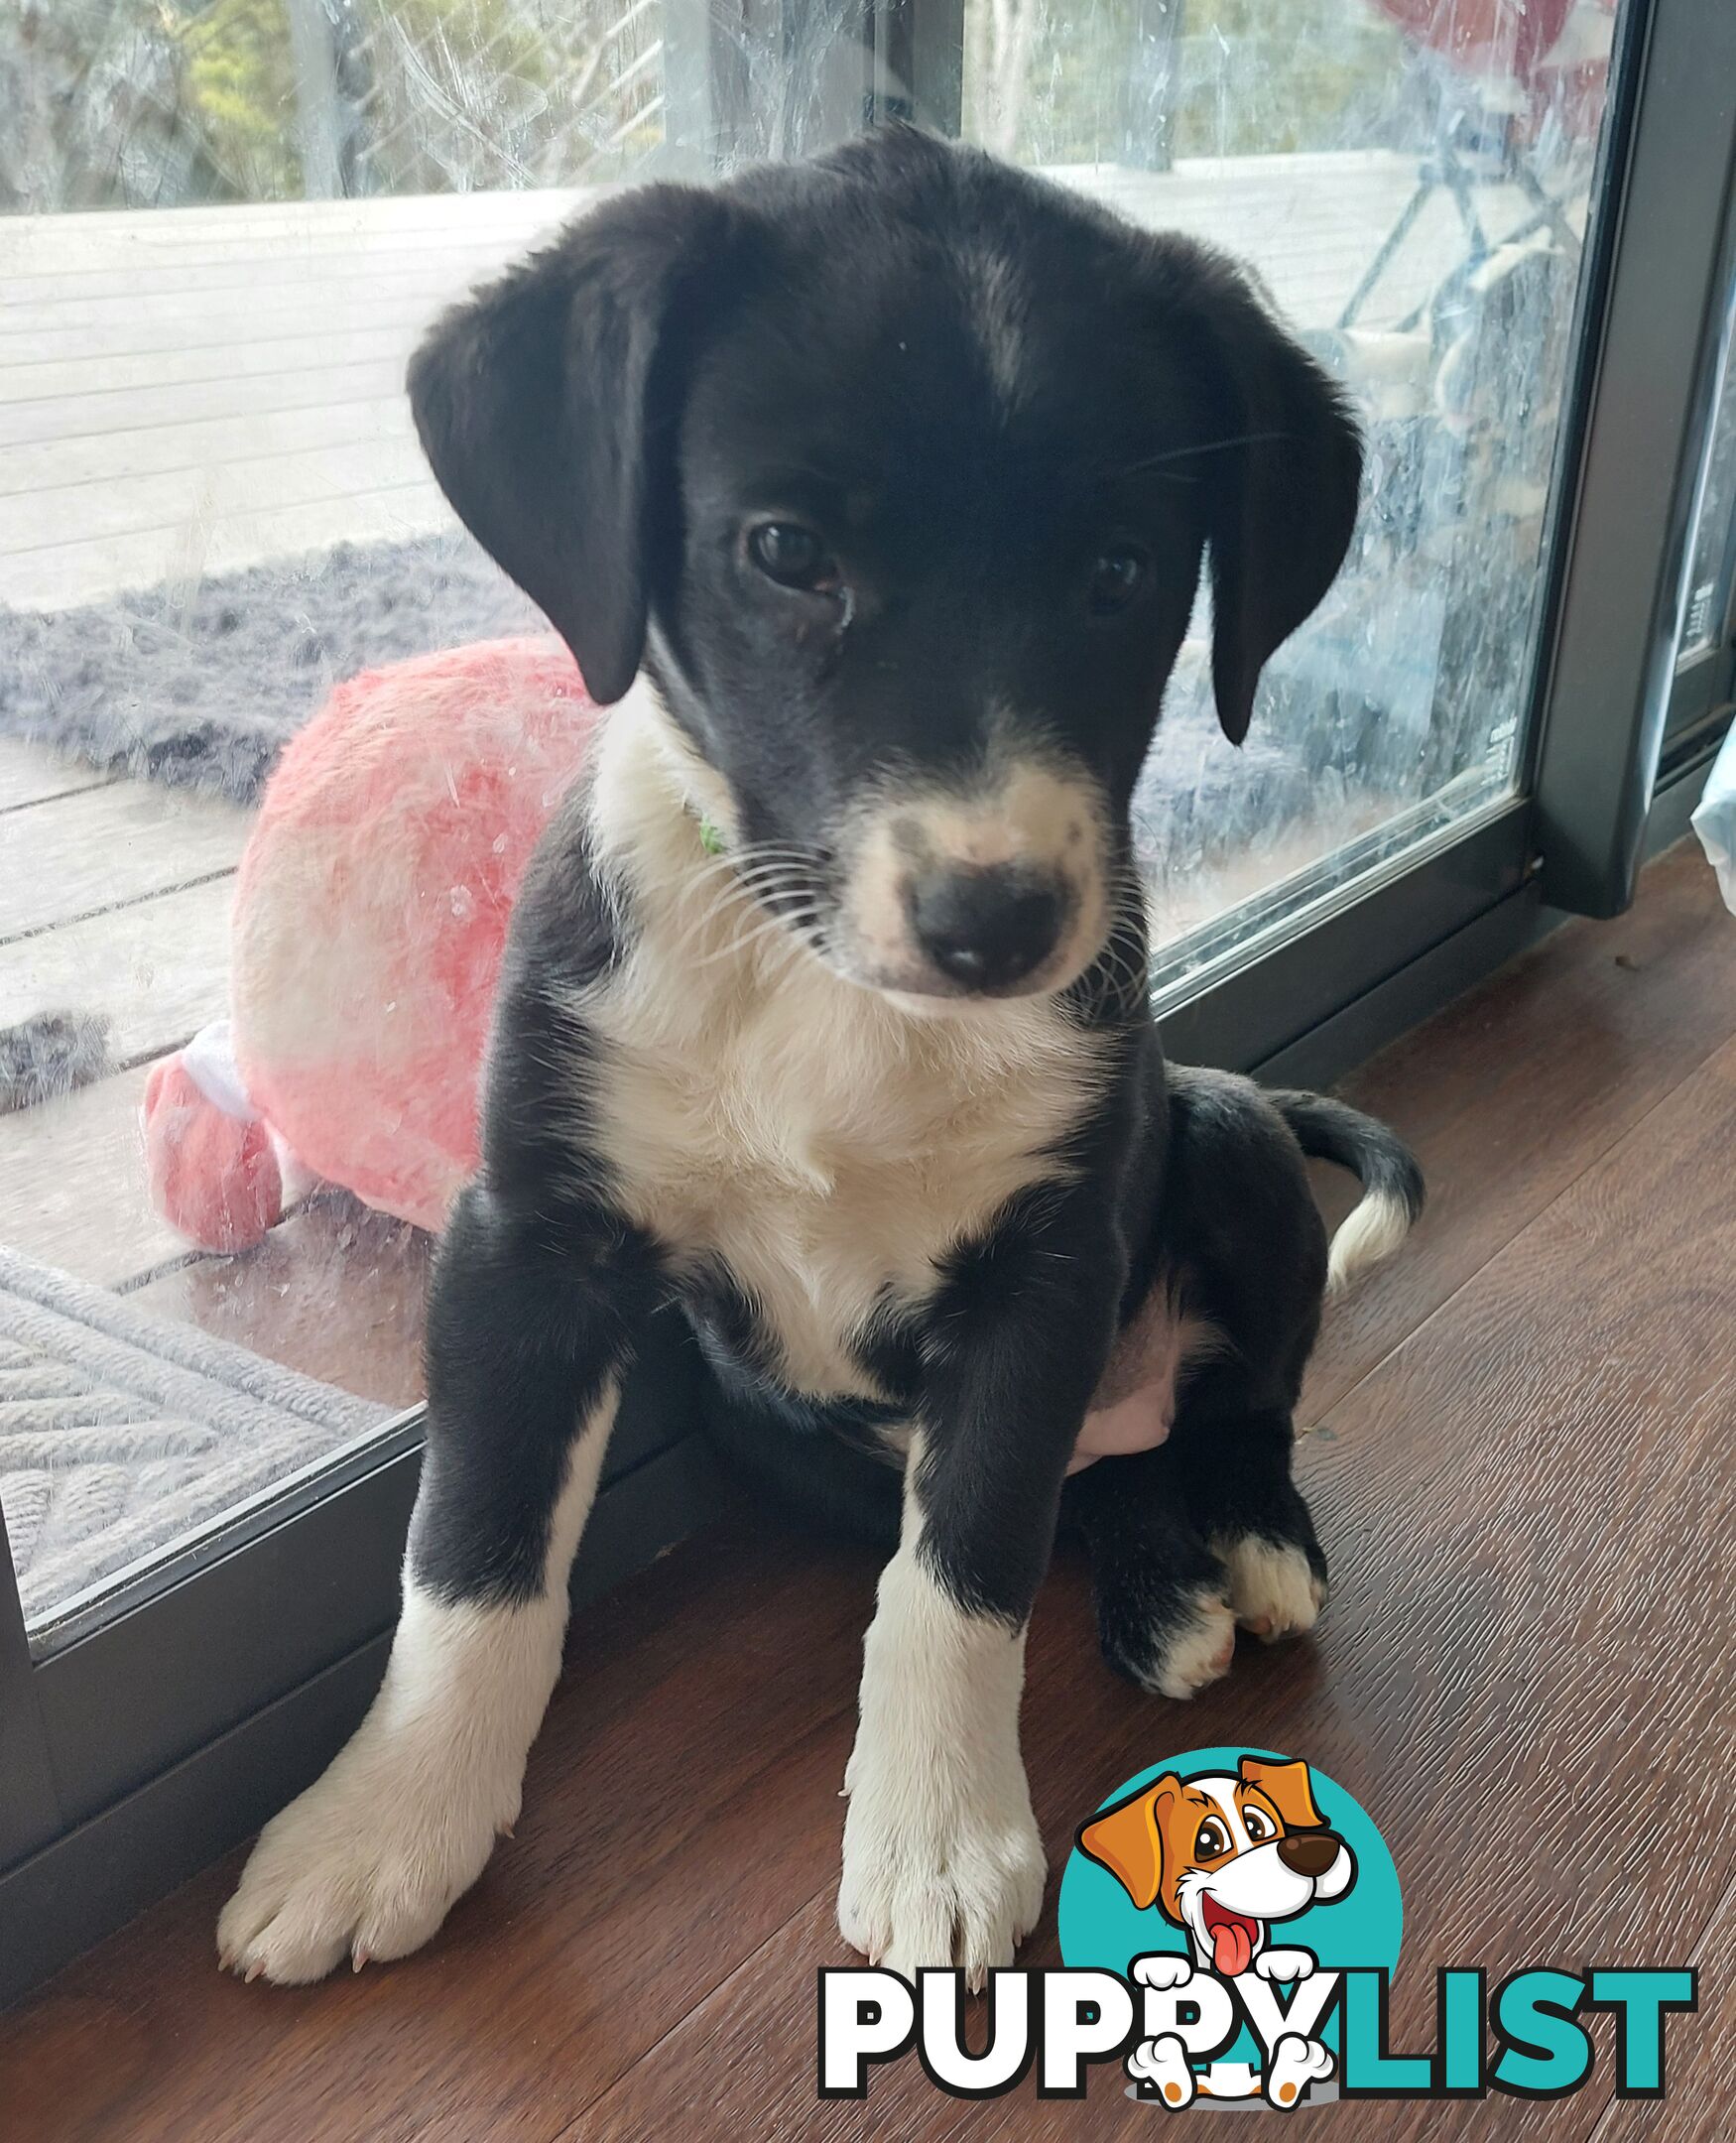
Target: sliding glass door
1504 229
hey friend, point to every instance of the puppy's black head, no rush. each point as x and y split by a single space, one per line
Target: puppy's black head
898 467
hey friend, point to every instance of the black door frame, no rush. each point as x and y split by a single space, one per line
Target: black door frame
1649 365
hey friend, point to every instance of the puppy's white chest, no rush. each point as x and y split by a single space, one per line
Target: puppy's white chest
827 1149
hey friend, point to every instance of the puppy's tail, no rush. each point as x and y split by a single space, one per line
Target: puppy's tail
1392 1182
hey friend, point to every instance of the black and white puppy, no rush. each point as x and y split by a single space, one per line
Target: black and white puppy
876 491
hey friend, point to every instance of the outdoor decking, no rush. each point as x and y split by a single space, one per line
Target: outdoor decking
186 392
194 390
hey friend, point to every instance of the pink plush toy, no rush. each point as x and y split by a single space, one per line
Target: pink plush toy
370 915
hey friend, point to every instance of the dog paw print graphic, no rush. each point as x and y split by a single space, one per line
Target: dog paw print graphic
1233 1888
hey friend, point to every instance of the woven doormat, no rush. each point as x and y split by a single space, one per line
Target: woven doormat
121 1433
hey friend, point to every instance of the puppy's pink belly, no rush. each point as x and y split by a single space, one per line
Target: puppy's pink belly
1140 1422
1137 1395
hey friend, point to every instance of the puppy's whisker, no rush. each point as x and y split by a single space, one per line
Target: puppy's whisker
741 864
776 895
765 881
774 929
770 872
741 921
1189 454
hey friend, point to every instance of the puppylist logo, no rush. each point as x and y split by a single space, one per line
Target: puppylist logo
1229 1923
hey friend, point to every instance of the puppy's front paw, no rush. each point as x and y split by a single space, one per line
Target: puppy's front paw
1274 1589
1166 1970
366 1863
937 1877
1285 1966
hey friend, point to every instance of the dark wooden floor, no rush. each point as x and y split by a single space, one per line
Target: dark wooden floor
1524 1466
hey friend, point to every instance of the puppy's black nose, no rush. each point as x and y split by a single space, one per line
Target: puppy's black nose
1310 1853
986 929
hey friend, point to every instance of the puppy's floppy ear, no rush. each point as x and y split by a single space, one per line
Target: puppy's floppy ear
1280 502
1287 1787
1127 1839
540 407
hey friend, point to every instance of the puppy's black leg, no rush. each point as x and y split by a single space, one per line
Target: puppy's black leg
1233 1465
942 1861
530 1324
1163 1598
1209 1530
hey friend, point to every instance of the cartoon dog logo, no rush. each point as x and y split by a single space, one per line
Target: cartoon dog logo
1226 1857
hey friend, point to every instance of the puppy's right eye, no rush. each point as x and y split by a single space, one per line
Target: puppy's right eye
1211 1841
1116 578
793 556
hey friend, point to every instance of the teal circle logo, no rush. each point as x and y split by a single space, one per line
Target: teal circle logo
1248 1867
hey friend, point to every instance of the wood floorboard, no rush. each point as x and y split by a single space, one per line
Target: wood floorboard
157 970
1695 2107
1516 1089
202 442
1524 1473
72 1185
116 325
101 509
32 774
120 413
83 854
181 552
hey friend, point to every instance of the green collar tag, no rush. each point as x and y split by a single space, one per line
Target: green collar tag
710 839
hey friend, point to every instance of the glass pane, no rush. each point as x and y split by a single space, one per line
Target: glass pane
1709 560
226 223
1411 182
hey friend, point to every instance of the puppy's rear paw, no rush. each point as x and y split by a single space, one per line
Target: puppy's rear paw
1177 1652
1274 1589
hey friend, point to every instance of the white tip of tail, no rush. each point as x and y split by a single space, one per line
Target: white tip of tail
1372 1230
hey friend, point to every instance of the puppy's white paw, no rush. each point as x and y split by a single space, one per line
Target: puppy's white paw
942 1861
1195 1651
366 1863
1164 1969
1285 1964
1162 2063
1295 2062
957 1882
1273 1589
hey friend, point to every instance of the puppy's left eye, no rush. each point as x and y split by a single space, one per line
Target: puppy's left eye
1116 576
1258 1826
793 556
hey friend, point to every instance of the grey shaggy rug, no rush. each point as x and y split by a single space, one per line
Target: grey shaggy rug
201 689
120 1433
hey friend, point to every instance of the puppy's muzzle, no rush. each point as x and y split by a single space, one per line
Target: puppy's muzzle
987 929
1309 1853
